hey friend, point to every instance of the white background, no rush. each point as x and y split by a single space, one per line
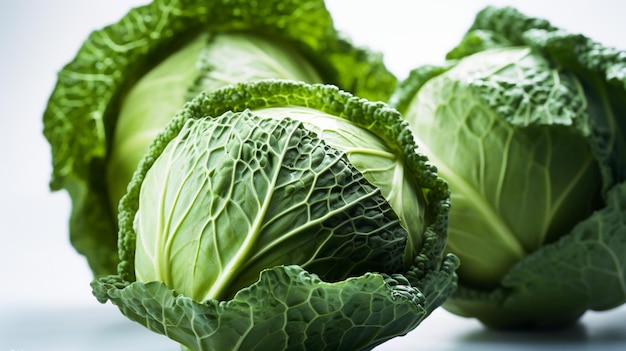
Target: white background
45 298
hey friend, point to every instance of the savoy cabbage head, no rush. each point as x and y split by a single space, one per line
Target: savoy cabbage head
527 123
282 215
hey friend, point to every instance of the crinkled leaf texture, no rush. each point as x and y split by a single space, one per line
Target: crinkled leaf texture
82 111
575 269
287 309
234 194
556 284
601 70
290 308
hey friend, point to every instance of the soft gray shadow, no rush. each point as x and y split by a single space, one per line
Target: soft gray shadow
575 334
579 336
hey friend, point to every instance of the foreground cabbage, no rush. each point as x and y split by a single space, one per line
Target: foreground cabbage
128 80
527 123
278 215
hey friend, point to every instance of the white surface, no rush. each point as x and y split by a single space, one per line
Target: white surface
103 328
45 298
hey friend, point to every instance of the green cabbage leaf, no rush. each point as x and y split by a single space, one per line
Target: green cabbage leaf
128 79
527 123
256 220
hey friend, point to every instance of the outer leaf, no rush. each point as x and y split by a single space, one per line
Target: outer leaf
287 309
208 62
408 88
436 285
601 69
496 27
558 283
82 110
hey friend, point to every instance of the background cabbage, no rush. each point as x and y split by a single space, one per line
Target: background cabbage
526 123
128 79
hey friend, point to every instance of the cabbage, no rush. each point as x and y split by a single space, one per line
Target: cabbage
526 123
280 215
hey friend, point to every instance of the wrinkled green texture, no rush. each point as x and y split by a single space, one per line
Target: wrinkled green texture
560 282
527 122
232 195
374 159
82 111
601 69
290 308
521 124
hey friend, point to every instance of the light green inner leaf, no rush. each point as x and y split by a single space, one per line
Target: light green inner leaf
207 63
